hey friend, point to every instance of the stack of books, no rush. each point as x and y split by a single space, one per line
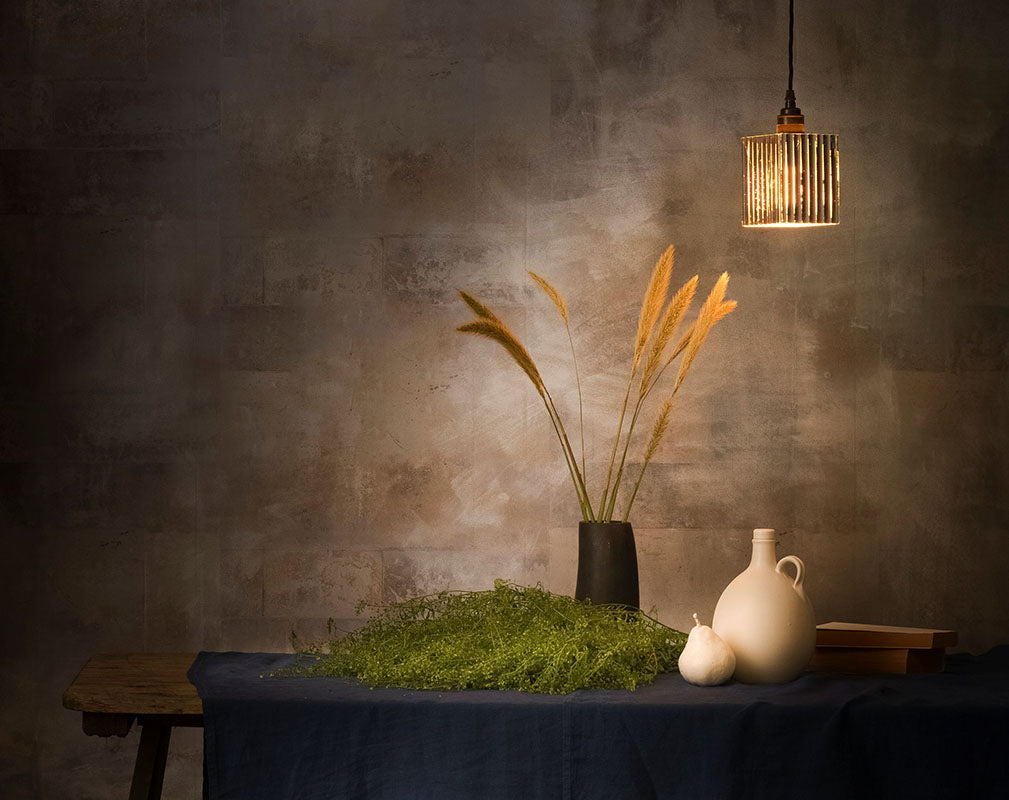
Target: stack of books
854 647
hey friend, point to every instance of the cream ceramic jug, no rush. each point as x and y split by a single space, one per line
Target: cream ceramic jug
765 617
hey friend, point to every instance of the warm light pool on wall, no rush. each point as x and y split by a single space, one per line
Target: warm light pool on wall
790 178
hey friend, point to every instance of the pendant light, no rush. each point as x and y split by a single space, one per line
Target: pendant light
790 178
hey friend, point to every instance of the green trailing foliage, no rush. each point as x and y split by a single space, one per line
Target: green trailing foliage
508 637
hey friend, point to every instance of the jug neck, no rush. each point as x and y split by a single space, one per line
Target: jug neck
764 554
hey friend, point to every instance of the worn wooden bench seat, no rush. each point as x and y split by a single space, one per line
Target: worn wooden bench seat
114 690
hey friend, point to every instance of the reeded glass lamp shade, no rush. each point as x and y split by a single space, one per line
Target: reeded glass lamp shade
790 180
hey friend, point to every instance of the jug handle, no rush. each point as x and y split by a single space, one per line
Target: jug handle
800 570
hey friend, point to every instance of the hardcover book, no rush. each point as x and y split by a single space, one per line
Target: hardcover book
856 634
874 661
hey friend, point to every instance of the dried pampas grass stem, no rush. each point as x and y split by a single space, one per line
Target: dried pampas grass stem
553 294
496 330
706 319
479 308
658 431
651 307
671 319
655 298
491 327
562 309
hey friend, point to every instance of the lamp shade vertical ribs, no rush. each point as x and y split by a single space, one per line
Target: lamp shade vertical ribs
790 179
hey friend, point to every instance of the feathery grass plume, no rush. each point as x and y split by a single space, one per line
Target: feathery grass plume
651 307
552 293
496 331
479 308
724 309
670 321
706 319
712 311
562 308
490 327
655 298
658 431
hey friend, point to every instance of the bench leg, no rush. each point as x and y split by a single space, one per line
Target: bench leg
149 771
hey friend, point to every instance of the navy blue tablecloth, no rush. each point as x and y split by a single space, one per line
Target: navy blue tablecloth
822 736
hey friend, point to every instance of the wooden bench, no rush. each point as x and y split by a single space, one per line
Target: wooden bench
112 691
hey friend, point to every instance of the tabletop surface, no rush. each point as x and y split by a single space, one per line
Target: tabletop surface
832 737
135 683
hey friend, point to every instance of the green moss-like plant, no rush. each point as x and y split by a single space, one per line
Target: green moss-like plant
508 637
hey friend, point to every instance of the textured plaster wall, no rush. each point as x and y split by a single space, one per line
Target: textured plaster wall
233 403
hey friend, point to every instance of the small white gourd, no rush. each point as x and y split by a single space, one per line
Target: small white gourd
706 660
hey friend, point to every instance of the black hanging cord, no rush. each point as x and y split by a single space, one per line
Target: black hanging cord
791 38
790 108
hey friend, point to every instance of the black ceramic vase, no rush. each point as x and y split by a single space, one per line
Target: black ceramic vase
607 563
